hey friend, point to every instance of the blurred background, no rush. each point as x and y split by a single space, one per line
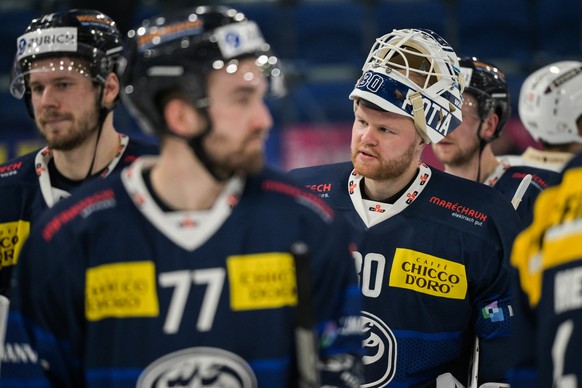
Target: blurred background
323 44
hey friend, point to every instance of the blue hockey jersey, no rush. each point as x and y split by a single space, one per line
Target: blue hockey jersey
116 292
433 269
575 162
507 177
27 191
547 258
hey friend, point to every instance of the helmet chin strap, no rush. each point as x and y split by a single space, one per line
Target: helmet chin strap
482 144
196 144
103 112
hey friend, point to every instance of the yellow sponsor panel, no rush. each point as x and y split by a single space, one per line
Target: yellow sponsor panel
262 281
428 274
553 238
3 153
12 236
121 290
25 147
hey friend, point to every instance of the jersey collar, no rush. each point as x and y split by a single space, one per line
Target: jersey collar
373 212
52 194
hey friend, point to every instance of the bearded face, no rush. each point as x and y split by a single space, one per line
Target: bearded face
64 101
384 145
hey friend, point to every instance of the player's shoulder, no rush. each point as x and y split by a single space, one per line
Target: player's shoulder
575 162
326 174
542 178
19 170
463 188
448 188
137 147
94 201
278 189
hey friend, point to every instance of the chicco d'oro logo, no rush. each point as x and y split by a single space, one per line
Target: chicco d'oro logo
198 367
380 351
428 274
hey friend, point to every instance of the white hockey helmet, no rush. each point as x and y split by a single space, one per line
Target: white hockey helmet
415 73
550 102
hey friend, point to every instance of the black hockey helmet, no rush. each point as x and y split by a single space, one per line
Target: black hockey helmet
176 53
487 83
78 33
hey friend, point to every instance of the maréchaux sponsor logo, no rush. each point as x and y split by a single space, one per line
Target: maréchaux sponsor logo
460 211
10 169
534 177
99 201
302 196
428 274
121 290
262 281
12 236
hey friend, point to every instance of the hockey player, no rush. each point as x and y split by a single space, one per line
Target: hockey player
550 108
432 248
467 151
65 71
179 271
547 257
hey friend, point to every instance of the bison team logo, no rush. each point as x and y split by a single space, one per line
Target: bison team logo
380 351
199 367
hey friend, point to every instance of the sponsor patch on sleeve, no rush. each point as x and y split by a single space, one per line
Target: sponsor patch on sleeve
262 281
428 274
12 236
121 290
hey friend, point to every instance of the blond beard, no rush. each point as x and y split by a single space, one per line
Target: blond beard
387 169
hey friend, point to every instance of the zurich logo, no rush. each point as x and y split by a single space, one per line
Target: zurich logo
233 39
21 46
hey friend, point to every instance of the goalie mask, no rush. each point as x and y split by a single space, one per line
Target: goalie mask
415 73
550 103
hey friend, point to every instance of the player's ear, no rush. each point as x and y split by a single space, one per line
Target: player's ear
489 125
110 90
181 117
